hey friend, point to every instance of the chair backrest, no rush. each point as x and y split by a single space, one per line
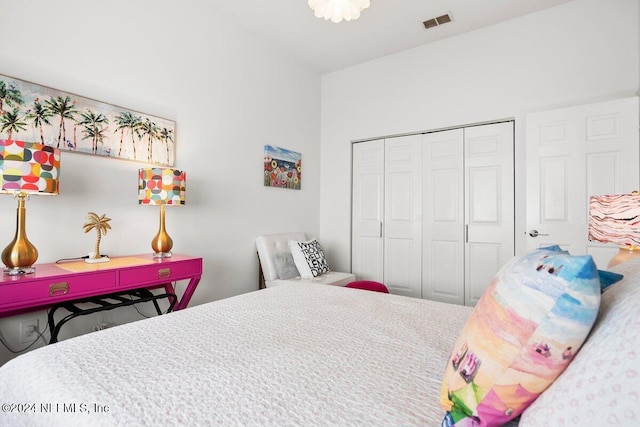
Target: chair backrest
271 247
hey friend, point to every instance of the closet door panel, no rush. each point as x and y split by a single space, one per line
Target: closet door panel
484 195
444 284
398 266
402 229
443 216
484 263
489 203
367 210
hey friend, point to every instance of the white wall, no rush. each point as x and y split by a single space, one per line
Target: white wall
581 51
229 92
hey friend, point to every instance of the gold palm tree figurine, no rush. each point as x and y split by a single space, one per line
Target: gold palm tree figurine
101 225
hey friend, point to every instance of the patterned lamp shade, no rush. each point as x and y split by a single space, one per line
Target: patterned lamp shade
29 168
161 186
615 219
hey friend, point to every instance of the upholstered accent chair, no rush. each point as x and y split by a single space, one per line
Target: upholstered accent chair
278 263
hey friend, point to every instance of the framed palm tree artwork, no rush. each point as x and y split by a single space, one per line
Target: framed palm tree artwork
282 168
34 113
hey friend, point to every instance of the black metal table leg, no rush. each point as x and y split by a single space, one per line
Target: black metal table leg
104 302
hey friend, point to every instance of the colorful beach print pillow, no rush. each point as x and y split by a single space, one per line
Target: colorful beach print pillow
522 334
608 278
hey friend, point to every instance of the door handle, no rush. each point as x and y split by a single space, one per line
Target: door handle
534 233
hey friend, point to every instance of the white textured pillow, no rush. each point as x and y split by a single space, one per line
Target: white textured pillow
309 258
285 266
601 386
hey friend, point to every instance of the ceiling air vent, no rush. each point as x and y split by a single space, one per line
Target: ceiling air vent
434 22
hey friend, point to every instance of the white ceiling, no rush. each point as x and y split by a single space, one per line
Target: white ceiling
386 27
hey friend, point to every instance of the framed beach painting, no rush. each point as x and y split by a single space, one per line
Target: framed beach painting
34 113
282 168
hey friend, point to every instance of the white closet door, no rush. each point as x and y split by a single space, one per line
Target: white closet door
489 203
573 153
368 207
443 210
403 215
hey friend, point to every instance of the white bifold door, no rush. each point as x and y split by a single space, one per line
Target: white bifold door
386 215
468 208
367 246
433 214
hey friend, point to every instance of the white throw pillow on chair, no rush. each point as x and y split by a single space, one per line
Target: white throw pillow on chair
285 266
309 258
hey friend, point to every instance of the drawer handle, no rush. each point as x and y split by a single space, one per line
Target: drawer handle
58 288
164 272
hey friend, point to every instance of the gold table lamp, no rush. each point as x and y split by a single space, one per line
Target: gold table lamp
27 168
161 186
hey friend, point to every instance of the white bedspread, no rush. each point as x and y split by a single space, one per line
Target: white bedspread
289 355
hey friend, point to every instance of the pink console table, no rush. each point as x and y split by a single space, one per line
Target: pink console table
55 283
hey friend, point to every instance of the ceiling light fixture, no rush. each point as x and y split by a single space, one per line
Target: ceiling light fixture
337 10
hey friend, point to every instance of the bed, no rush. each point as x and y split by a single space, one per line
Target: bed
300 355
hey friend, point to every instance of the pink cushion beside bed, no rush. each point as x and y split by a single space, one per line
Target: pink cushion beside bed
368 285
